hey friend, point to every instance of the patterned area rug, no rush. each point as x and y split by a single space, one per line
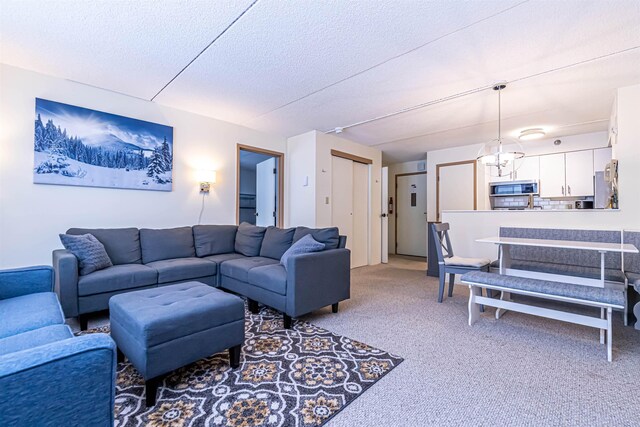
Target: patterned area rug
295 378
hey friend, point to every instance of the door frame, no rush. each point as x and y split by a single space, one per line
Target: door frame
280 157
475 183
395 231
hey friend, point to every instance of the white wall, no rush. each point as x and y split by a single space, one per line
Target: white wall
309 155
300 186
466 227
395 169
32 216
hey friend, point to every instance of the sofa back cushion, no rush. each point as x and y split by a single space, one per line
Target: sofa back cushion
632 261
329 236
249 239
166 243
276 242
577 257
90 252
214 239
122 244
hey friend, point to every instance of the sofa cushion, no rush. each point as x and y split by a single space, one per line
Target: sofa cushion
214 239
270 277
220 258
276 242
122 244
171 270
116 278
29 312
35 338
90 252
156 316
239 268
249 239
166 243
329 236
305 245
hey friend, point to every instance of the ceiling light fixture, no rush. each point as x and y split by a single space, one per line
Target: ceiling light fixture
494 153
529 134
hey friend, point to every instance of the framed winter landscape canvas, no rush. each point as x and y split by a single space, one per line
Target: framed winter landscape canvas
78 146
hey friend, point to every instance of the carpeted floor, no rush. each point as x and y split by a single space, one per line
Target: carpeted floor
519 370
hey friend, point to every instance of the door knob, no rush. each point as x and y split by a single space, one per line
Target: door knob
384 215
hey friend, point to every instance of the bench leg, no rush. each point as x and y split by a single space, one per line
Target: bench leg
505 296
602 330
474 308
609 335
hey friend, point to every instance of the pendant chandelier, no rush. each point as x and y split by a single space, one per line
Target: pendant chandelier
498 154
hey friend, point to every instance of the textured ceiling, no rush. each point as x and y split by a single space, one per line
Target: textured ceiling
287 67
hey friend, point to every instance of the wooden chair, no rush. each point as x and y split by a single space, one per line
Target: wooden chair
451 264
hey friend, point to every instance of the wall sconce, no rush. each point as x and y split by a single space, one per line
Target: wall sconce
206 178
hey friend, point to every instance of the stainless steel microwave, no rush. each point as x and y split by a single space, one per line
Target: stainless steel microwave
513 188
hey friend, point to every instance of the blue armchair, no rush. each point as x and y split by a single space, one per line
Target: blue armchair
48 377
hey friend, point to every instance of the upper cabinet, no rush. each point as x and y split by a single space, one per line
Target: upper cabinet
552 175
529 169
567 174
579 173
601 157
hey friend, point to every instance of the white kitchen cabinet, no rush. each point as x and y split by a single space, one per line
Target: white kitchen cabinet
601 157
552 175
579 173
528 169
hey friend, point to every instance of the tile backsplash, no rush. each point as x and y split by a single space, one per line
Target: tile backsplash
522 202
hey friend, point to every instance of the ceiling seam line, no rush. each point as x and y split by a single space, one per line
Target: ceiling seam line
478 89
205 49
391 59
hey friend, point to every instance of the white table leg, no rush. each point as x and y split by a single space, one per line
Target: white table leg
609 335
474 308
602 254
602 330
504 296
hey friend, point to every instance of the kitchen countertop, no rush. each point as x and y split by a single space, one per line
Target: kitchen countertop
533 210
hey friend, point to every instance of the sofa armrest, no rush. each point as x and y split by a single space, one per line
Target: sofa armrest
317 279
23 281
65 383
65 265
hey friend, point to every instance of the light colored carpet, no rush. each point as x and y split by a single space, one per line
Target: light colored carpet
519 370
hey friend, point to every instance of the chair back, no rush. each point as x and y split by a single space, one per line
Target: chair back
443 243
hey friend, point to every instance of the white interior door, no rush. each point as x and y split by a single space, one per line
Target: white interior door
266 185
384 209
411 215
360 248
456 188
342 198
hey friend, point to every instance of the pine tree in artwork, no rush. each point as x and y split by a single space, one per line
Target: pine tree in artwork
167 159
155 167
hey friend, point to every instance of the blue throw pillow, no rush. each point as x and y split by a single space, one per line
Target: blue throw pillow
305 245
91 254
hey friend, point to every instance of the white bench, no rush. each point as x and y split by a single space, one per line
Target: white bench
607 299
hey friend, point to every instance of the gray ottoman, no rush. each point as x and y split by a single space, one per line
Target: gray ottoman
165 328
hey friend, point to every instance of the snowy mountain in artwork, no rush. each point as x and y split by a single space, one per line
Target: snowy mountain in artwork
78 146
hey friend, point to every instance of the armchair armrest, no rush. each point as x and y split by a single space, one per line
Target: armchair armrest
23 281
65 265
317 279
65 383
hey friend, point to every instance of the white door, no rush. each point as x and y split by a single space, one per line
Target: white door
456 188
411 215
342 198
552 177
360 247
579 173
601 157
384 209
266 185
528 169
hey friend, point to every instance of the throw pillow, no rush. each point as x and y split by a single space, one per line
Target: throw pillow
249 239
91 254
305 245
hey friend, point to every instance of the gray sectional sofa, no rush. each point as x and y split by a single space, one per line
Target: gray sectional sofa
243 259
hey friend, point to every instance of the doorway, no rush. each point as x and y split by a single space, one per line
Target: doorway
411 214
456 187
350 178
260 186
